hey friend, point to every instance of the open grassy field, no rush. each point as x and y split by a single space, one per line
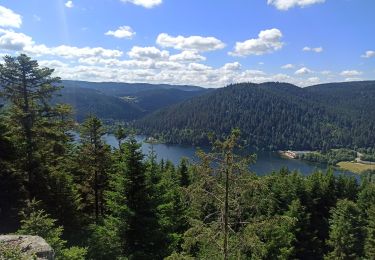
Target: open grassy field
355 167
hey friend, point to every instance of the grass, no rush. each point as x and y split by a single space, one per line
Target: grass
355 167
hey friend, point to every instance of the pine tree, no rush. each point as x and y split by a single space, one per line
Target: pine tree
183 173
142 238
346 231
219 184
28 88
370 234
94 159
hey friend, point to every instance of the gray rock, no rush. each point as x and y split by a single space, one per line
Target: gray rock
30 246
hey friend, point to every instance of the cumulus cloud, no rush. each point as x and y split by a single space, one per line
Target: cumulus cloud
287 4
350 73
199 67
69 4
8 18
194 43
232 66
268 41
187 56
303 71
144 3
10 40
368 54
144 53
13 41
287 66
122 32
316 49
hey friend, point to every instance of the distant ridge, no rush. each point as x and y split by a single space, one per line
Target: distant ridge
273 115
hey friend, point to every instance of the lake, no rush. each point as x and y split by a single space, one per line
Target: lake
265 164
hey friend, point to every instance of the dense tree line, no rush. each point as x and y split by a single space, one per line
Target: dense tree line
273 116
90 201
331 157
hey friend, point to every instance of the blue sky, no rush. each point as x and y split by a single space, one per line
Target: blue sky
206 43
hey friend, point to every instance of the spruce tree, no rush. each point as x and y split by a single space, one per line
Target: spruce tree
28 88
94 160
346 232
370 234
142 238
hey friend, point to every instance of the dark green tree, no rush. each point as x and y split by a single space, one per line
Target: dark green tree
142 238
370 234
95 161
346 232
28 88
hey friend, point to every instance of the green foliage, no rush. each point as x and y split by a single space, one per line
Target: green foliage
11 252
269 238
346 232
331 157
94 162
36 222
370 234
273 116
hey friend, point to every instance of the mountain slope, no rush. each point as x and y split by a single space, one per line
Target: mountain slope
89 101
120 89
270 116
123 101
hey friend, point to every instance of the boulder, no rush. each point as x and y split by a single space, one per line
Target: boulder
30 246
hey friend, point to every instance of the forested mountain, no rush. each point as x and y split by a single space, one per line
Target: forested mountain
121 89
273 116
121 101
356 99
90 101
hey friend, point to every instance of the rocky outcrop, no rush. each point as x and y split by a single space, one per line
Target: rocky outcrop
30 246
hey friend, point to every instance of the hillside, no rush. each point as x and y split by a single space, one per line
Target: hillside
271 116
121 89
90 101
122 101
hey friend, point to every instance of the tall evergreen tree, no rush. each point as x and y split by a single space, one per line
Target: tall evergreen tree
370 234
94 159
28 88
346 232
142 238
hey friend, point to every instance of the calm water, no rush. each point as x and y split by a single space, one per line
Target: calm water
265 164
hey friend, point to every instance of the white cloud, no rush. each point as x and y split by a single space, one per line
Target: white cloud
287 4
194 43
187 56
10 40
350 73
144 53
268 41
326 72
232 66
8 18
353 79
303 71
52 63
313 80
69 4
287 66
368 54
199 67
122 32
144 3
316 49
